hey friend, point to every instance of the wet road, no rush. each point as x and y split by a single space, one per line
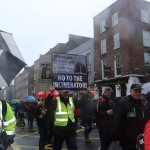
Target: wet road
27 139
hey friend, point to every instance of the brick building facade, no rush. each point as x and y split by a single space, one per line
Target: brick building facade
122 46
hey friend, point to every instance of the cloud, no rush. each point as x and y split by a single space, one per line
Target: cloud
38 25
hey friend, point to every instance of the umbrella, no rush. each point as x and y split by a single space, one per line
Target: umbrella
146 88
14 101
40 94
11 60
29 99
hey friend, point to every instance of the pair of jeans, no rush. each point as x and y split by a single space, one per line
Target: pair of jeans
70 142
87 127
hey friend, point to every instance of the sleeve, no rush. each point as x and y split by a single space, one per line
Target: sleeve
117 122
99 108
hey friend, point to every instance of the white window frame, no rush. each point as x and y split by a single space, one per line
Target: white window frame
116 41
146 38
102 26
103 46
146 59
144 16
115 19
103 62
117 64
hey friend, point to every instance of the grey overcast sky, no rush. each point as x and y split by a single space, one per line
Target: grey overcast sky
38 25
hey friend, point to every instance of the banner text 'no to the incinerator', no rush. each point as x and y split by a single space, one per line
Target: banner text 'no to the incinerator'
70 81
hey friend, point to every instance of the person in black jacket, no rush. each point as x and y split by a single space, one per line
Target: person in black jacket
45 120
49 116
87 114
130 119
42 126
104 114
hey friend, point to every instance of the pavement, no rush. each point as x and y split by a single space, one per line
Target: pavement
27 139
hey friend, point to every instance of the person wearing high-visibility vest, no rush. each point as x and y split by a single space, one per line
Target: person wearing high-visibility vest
7 125
64 121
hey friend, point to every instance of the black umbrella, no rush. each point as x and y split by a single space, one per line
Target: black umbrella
11 60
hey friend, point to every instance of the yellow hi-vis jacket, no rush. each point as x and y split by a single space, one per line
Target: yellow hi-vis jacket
8 123
63 112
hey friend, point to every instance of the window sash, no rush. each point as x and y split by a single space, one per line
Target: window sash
146 59
115 19
144 16
102 25
146 38
117 65
104 75
103 46
116 41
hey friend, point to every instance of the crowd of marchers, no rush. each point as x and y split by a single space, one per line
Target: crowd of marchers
120 121
123 121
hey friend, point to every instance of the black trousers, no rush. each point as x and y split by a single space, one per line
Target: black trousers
105 138
43 137
70 142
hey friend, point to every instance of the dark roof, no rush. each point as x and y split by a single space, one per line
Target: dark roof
74 41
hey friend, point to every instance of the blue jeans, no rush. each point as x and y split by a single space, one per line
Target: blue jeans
87 127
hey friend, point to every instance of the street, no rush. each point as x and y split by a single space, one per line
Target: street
27 139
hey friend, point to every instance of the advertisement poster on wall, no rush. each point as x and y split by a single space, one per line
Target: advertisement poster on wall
43 73
69 71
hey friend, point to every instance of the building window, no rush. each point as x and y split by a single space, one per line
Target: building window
106 70
103 46
103 62
115 20
117 65
146 59
116 41
144 16
102 26
88 56
146 38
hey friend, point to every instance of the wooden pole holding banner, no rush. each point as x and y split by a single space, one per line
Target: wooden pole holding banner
43 105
